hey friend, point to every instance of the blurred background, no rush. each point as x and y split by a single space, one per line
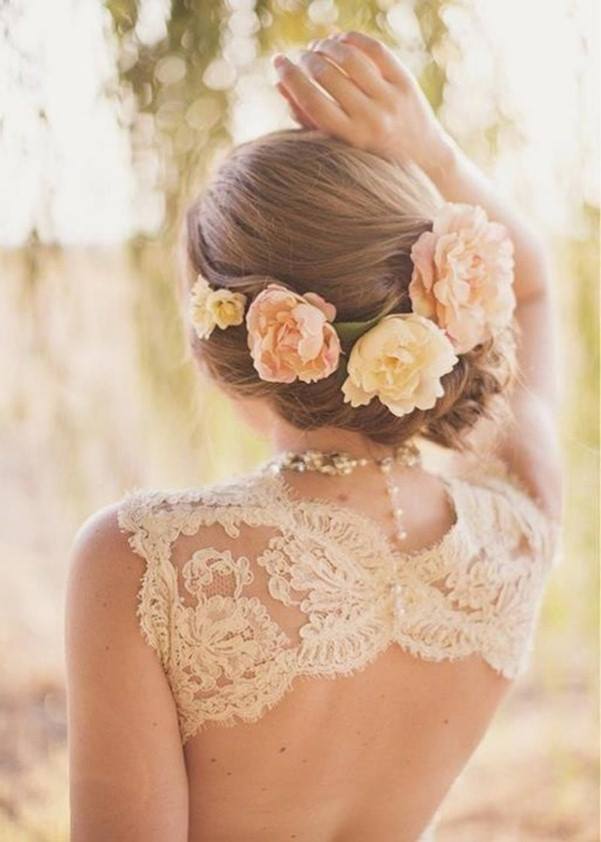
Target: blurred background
111 115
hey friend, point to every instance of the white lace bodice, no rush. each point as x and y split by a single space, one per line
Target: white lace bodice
246 587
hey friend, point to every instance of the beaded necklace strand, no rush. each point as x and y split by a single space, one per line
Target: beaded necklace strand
339 462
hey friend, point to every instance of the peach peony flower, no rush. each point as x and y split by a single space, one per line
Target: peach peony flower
290 337
463 275
400 361
210 307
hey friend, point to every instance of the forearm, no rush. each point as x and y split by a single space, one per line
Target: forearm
458 179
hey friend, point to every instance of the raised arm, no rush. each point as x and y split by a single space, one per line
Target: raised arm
373 101
530 447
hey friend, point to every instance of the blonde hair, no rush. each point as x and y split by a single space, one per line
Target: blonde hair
301 208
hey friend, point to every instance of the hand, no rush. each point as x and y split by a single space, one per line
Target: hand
374 102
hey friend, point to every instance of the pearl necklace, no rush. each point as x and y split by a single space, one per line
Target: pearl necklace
338 462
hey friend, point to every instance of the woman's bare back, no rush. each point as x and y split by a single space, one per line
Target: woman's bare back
351 708
368 756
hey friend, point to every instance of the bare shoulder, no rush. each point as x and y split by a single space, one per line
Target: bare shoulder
100 534
103 581
124 740
102 559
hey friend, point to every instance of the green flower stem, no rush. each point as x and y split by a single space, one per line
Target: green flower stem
348 331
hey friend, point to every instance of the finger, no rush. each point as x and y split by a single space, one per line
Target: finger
299 115
341 87
391 68
325 113
357 65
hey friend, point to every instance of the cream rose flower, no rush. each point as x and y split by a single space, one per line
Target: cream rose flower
290 335
214 307
226 307
400 361
463 275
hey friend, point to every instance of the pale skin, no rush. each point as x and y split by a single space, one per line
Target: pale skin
129 778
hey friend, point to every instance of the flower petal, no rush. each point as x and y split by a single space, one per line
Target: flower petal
463 275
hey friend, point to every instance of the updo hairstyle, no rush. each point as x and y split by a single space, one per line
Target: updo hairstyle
299 208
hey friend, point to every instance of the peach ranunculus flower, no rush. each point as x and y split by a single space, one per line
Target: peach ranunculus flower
290 335
214 307
400 361
463 275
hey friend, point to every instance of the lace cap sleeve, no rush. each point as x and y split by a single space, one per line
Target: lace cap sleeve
204 604
142 515
542 530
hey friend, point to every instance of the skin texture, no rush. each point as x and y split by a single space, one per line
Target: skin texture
127 772
129 777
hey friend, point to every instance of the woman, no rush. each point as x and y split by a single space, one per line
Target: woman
352 611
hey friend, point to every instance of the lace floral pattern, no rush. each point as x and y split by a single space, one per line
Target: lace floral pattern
478 590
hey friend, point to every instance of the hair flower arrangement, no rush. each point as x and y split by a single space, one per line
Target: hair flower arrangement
461 293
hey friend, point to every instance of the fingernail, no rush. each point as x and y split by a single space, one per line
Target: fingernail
279 60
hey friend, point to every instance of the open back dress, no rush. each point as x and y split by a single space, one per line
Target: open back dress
248 591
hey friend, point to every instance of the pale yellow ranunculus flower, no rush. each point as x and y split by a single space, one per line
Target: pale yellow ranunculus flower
226 307
209 307
400 361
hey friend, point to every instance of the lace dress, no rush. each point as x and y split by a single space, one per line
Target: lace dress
341 591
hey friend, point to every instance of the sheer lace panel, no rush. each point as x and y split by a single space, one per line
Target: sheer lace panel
245 588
